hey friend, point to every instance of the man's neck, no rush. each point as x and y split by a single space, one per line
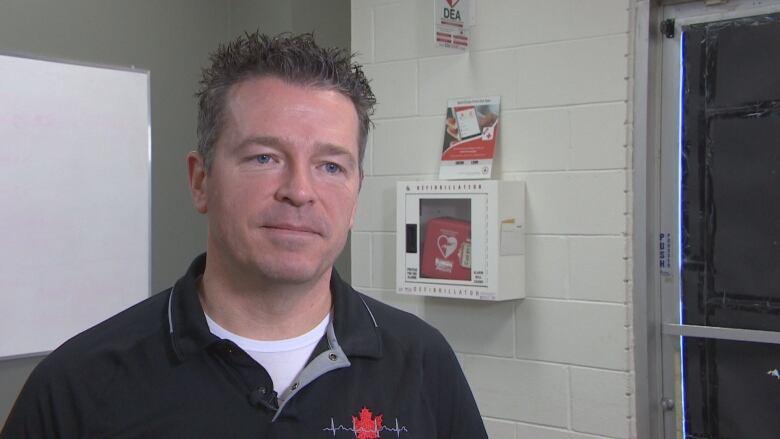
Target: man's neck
263 310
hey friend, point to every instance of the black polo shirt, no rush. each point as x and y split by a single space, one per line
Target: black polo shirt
155 370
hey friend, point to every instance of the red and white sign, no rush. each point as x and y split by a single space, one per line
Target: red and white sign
453 21
470 133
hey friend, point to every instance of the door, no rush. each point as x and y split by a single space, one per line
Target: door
719 247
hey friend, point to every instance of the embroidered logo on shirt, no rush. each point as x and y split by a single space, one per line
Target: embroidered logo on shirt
366 426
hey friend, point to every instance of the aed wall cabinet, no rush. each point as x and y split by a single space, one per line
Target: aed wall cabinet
461 239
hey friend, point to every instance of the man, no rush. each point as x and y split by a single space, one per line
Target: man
261 338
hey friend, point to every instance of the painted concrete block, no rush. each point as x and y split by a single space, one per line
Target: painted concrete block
599 137
395 31
576 202
572 72
394 86
534 140
408 146
360 248
368 158
366 3
474 327
362 34
547 267
600 402
519 390
525 431
466 75
523 22
598 268
383 260
376 205
581 333
497 429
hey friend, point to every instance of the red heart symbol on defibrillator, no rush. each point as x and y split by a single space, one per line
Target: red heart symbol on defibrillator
447 245
452 3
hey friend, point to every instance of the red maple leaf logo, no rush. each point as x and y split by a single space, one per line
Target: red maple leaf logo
366 426
452 3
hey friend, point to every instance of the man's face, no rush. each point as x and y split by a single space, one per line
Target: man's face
283 187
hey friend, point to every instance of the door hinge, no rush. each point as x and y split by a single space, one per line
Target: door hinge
667 28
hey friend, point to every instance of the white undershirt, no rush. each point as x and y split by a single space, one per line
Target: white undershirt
283 359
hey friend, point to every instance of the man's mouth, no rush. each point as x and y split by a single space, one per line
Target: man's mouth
292 228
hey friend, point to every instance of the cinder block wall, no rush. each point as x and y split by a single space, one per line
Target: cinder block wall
559 363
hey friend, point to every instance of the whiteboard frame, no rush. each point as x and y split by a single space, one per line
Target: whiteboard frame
131 69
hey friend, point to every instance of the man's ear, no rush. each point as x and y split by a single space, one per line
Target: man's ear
196 170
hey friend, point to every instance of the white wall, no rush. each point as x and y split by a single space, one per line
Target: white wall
558 364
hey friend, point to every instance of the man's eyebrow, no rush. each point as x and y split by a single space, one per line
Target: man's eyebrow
260 140
330 149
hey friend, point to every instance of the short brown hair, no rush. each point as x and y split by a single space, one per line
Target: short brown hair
293 58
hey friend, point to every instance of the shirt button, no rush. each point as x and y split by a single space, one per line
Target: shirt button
294 386
333 357
262 390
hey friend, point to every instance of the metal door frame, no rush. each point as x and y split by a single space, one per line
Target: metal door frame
655 120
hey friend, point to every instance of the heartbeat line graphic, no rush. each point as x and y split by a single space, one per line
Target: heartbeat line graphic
375 429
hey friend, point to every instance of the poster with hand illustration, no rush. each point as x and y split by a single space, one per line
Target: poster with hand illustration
470 134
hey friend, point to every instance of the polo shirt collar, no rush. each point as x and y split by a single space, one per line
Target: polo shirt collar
188 329
353 323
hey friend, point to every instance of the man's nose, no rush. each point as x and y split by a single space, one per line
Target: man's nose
296 185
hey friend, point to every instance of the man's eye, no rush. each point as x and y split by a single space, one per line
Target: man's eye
332 168
263 159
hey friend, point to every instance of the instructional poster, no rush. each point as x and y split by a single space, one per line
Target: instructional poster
470 133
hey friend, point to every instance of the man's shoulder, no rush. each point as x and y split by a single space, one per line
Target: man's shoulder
71 385
404 327
120 332
389 315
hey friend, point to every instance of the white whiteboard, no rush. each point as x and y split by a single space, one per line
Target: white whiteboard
75 205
